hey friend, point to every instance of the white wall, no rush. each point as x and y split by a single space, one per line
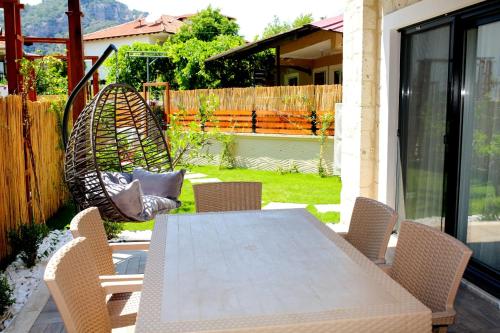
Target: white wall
272 152
389 84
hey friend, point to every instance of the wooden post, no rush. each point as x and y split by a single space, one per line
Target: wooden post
13 43
95 78
278 66
167 106
76 54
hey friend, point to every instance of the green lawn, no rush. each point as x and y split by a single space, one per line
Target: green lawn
291 187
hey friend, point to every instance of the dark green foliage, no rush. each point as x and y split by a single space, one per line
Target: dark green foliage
112 229
62 218
6 298
25 241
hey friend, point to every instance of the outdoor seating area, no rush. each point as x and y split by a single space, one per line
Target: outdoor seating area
164 172
181 287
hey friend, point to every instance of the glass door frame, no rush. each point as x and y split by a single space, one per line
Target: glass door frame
459 22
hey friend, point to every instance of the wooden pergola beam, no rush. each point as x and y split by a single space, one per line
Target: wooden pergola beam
13 43
76 54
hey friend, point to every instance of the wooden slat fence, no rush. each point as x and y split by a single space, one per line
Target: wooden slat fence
48 153
274 110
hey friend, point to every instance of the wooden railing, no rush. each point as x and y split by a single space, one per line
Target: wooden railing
271 110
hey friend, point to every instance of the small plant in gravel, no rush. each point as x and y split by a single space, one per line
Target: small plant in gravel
6 298
112 229
25 241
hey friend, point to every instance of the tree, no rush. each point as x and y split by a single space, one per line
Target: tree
276 26
133 70
206 26
205 34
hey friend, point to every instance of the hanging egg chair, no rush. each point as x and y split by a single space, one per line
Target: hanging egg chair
115 134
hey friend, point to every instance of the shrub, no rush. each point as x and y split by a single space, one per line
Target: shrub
6 298
25 241
112 229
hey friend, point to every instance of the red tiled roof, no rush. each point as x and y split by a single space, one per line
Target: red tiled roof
332 23
166 23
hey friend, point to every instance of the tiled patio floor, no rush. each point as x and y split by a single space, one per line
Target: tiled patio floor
474 314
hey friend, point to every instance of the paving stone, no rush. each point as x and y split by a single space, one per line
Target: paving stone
204 180
194 175
284 205
328 208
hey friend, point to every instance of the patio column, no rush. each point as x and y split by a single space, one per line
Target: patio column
360 103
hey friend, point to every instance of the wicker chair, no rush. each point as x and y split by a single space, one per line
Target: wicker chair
71 278
88 224
370 228
227 196
116 131
430 264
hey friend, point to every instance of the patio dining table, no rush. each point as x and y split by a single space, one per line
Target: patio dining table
267 271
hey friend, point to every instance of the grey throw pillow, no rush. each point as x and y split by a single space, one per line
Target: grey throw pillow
116 177
166 185
128 198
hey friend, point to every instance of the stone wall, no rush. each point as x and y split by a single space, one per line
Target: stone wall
360 102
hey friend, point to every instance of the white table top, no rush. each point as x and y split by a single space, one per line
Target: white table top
274 270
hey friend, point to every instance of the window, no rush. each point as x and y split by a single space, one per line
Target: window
319 77
292 79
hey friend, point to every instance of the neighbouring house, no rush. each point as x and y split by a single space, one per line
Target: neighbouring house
421 118
311 54
127 33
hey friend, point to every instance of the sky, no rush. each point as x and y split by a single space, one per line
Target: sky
251 15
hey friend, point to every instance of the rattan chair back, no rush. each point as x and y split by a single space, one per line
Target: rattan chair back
429 264
116 131
371 227
227 196
74 284
88 224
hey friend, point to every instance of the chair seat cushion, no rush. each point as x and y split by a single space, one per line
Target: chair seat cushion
154 204
165 185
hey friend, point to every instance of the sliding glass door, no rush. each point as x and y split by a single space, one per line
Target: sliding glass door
423 125
449 132
479 208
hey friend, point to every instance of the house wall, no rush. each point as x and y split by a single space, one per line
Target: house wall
97 47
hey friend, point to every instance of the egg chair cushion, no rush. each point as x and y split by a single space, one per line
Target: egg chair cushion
123 178
165 185
154 204
128 198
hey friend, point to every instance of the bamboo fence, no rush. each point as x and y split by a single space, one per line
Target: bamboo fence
273 110
48 154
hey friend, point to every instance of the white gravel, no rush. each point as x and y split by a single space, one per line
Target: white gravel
23 280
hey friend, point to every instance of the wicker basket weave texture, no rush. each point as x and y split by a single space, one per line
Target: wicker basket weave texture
73 282
370 228
116 131
88 224
227 196
429 264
